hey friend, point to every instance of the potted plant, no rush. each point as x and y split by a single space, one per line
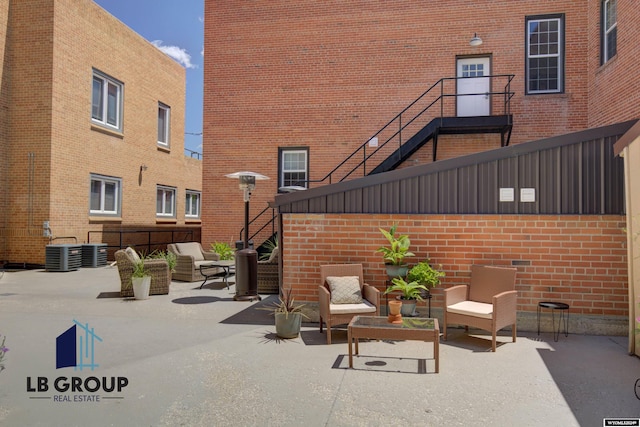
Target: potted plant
223 249
410 293
288 316
425 274
140 279
396 252
269 246
168 256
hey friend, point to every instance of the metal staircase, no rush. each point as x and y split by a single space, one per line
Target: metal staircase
430 115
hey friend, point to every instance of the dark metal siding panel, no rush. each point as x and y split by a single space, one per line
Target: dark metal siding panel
317 205
448 192
570 177
410 195
353 201
468 189
591 177
528 177
614 180
428 199
508 178
390 197
549 176
570 184
335 203
369 199
488 188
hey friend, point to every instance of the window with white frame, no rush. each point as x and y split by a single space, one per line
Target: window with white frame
609 29
192 205
545 56
164 116
165 201
104 198
106 101
294 167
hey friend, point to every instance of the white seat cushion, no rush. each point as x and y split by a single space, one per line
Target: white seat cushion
472 308
364 307
192 249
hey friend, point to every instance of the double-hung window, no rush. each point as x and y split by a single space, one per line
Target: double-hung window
106 101
545 54
609 29
164 116
165 201
192 206
104 198
293 167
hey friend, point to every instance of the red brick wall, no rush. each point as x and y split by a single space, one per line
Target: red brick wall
614 88
328 75
580 260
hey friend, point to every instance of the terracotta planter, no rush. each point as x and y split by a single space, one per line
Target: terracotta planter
394 307
394 311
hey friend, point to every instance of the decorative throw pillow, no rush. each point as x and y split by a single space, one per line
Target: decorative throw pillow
192 249
132 254
345 290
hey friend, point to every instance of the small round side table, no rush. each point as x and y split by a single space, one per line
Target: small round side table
555 306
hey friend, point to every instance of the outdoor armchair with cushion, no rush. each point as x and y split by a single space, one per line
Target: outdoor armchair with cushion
189 258
158 269
343 295
268 277
487 303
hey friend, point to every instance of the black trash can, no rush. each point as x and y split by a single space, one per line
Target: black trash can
247 275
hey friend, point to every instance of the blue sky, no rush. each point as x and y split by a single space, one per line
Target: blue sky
177 28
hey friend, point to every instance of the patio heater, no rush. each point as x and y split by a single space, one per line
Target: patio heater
246 258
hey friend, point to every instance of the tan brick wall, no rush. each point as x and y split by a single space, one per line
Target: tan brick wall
580 260
56 45
328 75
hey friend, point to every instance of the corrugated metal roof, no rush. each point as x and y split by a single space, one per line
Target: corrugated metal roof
576 173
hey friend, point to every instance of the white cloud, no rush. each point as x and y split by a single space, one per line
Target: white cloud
175 52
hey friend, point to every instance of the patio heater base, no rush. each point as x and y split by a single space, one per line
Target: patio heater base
247 298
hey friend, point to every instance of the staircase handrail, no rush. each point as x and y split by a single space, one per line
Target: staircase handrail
398 118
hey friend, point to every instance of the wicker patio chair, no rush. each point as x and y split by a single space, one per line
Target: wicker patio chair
268 276
189 258
157 268
334 312
487 303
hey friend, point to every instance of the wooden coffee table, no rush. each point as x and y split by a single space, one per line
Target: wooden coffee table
411 328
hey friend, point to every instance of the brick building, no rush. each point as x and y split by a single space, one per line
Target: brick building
293 90
91 130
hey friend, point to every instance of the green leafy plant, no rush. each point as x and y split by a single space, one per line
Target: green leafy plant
398 248
286 305
3 352
139 269
408 290
170 257
270 245
223 249
425 274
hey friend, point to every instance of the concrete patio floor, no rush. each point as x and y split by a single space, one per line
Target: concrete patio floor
195 357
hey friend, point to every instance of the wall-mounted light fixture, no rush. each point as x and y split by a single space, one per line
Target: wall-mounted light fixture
143 167
475 40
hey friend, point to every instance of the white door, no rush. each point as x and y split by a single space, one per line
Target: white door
472 81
